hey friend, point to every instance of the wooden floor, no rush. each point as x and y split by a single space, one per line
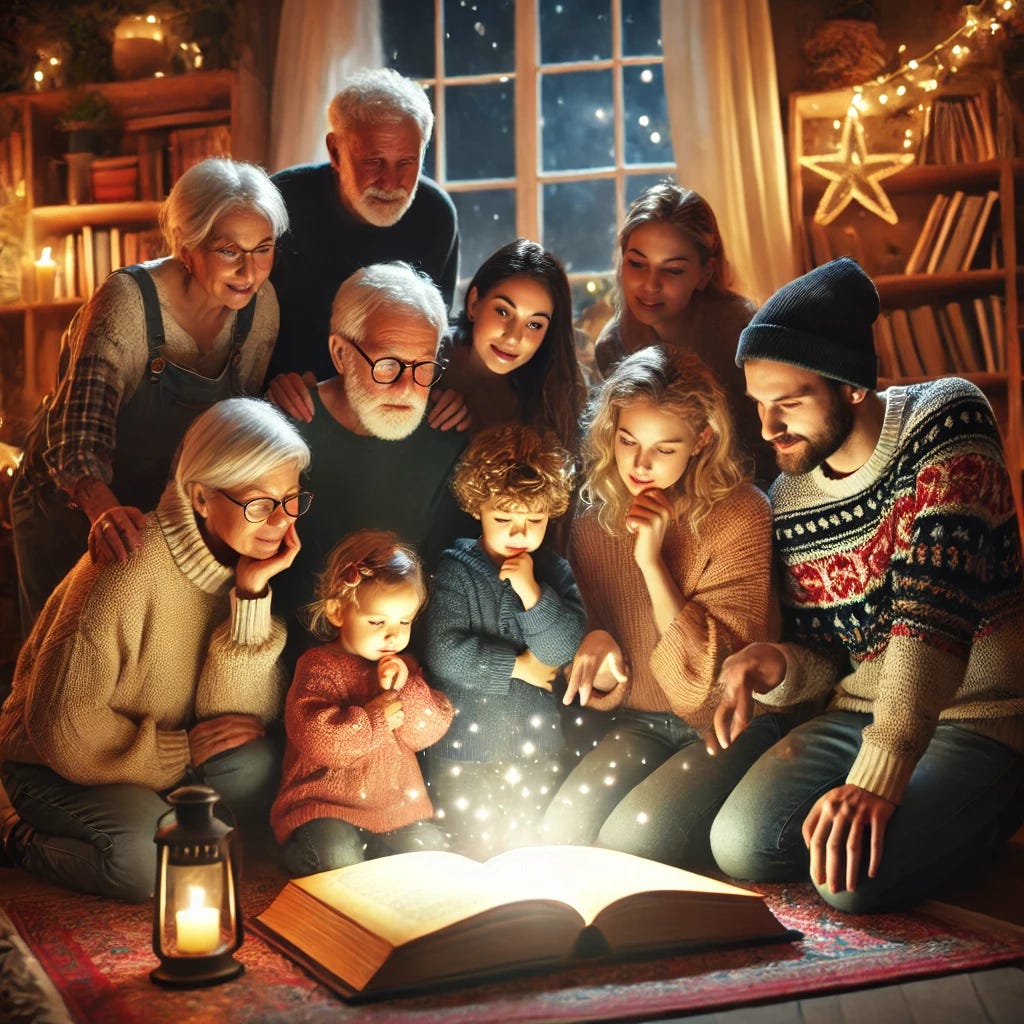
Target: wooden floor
993 997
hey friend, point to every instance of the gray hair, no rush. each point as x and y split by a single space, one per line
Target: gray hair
236 441
392 285
212 189
376 96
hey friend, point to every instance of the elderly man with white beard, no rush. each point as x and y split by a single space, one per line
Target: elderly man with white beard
376 462
369 204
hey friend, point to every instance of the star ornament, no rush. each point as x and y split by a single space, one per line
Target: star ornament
853 173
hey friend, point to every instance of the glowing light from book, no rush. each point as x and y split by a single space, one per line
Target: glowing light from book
198 925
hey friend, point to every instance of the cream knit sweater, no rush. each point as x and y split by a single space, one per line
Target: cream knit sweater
126 657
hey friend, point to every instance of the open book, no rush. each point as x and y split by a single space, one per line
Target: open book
422 920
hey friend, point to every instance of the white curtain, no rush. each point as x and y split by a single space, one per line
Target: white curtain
321 42
723 111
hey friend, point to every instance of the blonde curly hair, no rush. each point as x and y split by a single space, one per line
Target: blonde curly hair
518 467
676 380
362 557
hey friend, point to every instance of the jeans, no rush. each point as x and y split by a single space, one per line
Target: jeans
966 796
325 843
99 839
650 788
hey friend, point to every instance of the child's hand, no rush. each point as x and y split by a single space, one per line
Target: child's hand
518 570
392 672
530 669
598 665
647 519
391 706
448 410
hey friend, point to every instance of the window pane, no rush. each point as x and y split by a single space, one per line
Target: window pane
487 220
478 37
578 121
573 30
636 183
407 35
579 223
646 129
480 131
641 28
430 154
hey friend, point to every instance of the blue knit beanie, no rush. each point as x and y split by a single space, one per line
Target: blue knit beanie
820 322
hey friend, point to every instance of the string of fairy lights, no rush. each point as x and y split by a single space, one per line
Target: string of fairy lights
853 172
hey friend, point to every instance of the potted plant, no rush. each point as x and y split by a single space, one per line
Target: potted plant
88 119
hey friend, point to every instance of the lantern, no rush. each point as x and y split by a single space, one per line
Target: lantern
197 923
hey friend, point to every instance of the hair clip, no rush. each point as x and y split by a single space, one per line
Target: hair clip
354 573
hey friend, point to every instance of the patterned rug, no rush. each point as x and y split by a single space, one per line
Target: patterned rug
98 955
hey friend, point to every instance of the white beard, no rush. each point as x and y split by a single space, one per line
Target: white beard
387 424
379 215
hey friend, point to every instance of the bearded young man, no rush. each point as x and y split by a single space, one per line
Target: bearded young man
376 462
369 204
899 559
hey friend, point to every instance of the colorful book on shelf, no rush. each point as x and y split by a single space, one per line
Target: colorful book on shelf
931 349
949 219
966 343
952 256
422 920
981 225
922 247
906 350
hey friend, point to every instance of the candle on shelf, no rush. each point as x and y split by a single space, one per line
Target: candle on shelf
46 274
198 925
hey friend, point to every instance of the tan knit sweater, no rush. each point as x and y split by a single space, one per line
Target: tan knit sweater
724 575
126 657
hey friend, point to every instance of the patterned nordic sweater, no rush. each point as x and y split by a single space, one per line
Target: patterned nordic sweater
342 760
901 583
126 657
725 577
476 628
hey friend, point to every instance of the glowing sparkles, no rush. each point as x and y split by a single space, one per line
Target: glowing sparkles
536 722
513 775
647 76
643 120
462 803
529 749
456 770
641 818
579 721
609 780
584 789
655 137
482 813
474 727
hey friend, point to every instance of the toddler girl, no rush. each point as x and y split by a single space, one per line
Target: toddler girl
504 614
357 713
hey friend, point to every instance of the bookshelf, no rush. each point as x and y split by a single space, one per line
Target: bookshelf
165 123
987 287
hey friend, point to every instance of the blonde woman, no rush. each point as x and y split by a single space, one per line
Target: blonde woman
672 553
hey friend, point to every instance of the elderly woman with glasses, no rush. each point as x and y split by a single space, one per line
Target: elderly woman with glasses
164 669
158 343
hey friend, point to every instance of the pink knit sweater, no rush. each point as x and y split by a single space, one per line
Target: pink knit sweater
342 761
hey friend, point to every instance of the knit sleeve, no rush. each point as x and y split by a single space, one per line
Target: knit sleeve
728 606
427 713
327 719
955 576
461 655
242 673
554 626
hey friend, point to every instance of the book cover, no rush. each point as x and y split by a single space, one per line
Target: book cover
885 346
431 919
949 218
988 342
905 347
960 236
928 340
980 227
918 255
966 343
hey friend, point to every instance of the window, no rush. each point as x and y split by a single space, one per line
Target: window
550 114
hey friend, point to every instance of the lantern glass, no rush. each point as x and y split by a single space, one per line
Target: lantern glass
197 925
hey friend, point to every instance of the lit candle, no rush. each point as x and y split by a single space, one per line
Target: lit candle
46 273
198 925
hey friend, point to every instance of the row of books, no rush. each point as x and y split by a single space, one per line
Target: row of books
12 163
929 341
955 232
958 129
85 259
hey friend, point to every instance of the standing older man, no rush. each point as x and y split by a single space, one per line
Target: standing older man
900 564
369 204
375 460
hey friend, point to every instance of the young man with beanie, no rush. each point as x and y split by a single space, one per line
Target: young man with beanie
899 559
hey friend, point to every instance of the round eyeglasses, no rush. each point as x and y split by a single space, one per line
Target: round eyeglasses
387 370
234 255
259 510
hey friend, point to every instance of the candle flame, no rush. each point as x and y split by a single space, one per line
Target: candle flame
196 897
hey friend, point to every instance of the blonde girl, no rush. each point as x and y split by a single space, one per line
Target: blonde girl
357 713
673 289
672 553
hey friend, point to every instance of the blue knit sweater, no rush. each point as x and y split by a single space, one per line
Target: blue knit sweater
476 628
